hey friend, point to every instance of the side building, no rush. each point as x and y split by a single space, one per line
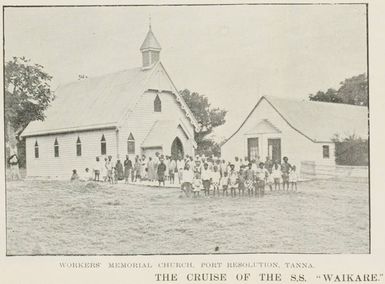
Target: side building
301 130
132 112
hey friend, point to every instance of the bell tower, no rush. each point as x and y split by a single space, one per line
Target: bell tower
150 49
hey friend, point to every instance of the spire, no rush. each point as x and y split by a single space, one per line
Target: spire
150 48
150 42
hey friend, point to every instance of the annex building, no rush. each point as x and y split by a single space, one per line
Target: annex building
301 130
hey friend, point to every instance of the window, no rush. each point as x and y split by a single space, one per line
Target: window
36 150
130 144
157 104
78 147
56 148
103 146
325 152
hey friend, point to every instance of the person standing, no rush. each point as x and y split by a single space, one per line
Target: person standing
206 178
119 170
233 180
250 179
285 169
172 170
150 170
187 180
127 169
161 170
13 162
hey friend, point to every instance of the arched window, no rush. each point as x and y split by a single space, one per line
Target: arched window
103 146
36 150
157 104
56 148
78 147
131 144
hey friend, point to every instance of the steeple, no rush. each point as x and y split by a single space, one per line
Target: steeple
150 49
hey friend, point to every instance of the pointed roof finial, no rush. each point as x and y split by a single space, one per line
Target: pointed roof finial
149 21
150 42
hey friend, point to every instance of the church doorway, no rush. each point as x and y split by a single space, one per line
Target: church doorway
177 149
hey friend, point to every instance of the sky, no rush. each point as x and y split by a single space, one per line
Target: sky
231 54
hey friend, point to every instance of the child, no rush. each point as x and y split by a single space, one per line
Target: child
74 176
262 173
215 179
233 180
276 175
87 175
197 184
114 175
249 179
97 167
293 178
187 177
241 181
224 183
269 179
171 170
206 179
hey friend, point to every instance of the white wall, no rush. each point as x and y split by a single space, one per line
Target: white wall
293 144
61 167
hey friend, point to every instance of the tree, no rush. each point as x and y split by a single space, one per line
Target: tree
330 96
27 94
352 91
208 118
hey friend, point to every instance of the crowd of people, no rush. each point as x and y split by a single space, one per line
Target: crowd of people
196 175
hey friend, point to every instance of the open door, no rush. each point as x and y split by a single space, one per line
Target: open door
274 149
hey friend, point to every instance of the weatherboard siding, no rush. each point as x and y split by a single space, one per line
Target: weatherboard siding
47 165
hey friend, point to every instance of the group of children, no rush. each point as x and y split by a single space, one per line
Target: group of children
238 179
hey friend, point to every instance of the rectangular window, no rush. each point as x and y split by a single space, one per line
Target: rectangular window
36 151
325 151
56 149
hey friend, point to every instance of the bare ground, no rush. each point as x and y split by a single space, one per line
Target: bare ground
51 217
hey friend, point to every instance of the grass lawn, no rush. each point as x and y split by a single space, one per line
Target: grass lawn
52 217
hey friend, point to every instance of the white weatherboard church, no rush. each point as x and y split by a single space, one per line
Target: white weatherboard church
132 112
301 130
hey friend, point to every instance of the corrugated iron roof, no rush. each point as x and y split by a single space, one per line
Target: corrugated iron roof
98 102
319 121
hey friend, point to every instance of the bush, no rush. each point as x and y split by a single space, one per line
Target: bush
352 151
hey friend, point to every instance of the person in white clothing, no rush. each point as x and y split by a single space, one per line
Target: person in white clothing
215 178
187 180
293 178
206 178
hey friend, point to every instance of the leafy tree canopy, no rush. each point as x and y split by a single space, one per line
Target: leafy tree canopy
352 91
27 92
208 118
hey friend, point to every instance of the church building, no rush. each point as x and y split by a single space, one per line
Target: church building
131 112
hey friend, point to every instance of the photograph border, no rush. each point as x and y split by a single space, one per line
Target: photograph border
366 4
